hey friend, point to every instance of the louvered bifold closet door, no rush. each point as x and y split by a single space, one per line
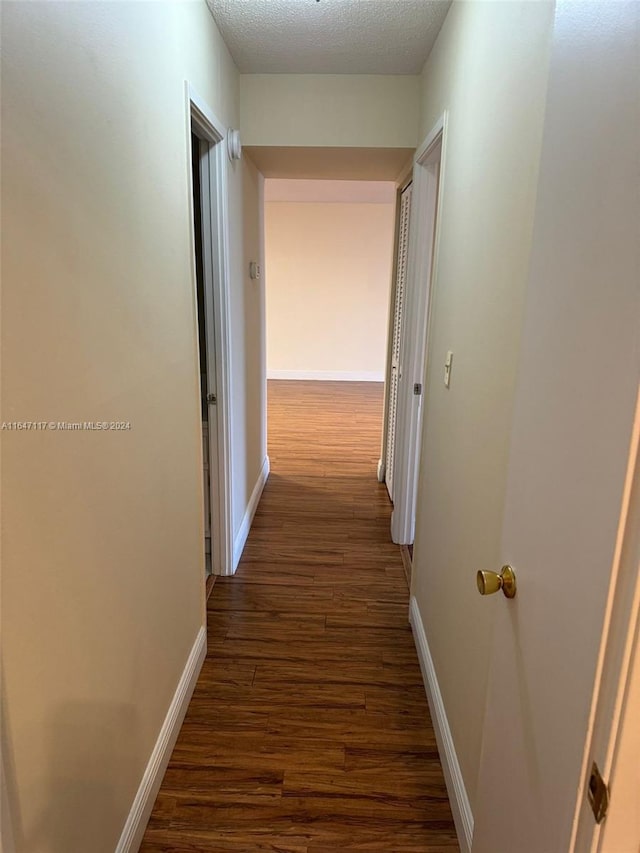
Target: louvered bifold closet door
398 308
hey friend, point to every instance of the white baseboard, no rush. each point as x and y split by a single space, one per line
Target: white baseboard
145 798
252 506
329 375
460 806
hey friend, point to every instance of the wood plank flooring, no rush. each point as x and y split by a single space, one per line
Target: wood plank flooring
309 731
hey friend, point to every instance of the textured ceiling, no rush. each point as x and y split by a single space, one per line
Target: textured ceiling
329 36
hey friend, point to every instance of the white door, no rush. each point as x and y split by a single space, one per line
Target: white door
398 307
573 419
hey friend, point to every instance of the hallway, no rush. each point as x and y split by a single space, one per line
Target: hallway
309 730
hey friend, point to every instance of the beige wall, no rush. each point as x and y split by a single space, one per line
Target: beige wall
248 348
102 574
328 276
489 70
351 110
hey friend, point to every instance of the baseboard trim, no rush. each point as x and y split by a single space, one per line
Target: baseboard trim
145 798
252 506
328 375
460 805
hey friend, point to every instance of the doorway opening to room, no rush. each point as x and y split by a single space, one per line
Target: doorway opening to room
208 210
329 246
328 259
329 225
329 254
206 358
348 298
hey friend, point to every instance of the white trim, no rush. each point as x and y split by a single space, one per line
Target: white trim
437 130
222 320
329 375
252 506
619 642
203 116
145 798
458 798
215 217
428 176
263 330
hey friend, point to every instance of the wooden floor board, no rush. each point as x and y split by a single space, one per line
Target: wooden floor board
309 731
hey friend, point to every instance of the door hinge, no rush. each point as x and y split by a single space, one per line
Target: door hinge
417 389
597 794
211 398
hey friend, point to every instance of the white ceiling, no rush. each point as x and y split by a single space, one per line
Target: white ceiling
329 36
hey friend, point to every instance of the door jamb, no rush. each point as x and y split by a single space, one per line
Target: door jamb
216 262
620 636
428 174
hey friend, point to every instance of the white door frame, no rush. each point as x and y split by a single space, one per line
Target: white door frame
215 250
389 366
428 172
620 637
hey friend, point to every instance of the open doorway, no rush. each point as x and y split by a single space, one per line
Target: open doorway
329 253
206 355
330 222
208 164
329 248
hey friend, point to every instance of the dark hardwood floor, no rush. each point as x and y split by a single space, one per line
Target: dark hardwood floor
309 731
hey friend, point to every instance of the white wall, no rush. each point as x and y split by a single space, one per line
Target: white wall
102 573
489 69
353 110
328 277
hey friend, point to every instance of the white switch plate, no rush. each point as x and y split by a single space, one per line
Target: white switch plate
447 368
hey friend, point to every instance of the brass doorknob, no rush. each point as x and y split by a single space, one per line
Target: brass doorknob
490 582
